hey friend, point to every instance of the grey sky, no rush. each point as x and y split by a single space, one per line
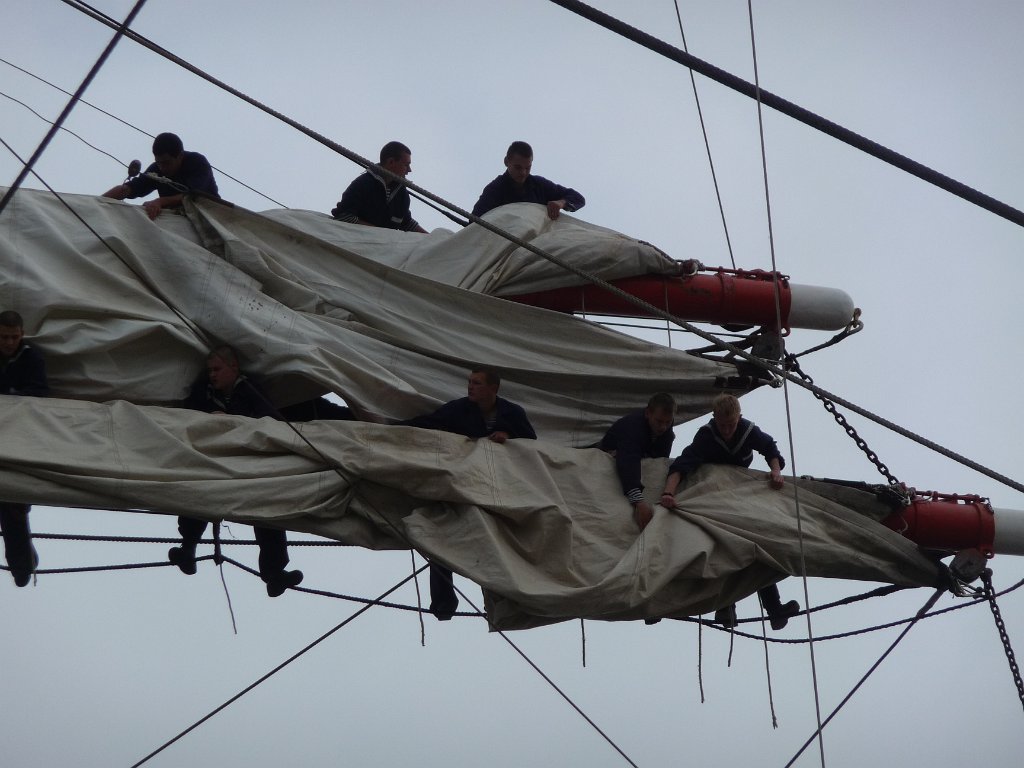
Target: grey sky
101 668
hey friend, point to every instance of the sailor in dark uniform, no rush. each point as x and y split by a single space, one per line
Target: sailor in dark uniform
730 439
644 434
22 372
378 200
481 414
187 172
225 389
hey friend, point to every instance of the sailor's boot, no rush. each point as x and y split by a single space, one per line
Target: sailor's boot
278 582
779 614
21 555
727 616
23 567
184 557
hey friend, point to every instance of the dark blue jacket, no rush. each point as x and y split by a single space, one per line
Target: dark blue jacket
536 189
246 399
631 439
708 447
195 173
24 373
464 418
369 198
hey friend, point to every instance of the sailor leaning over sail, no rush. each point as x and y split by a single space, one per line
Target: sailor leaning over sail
728 438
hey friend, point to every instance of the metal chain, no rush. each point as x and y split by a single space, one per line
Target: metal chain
793 364
986 578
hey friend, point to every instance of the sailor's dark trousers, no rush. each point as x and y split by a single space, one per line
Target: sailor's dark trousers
272 542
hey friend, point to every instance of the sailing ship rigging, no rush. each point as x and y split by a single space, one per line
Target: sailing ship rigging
438 394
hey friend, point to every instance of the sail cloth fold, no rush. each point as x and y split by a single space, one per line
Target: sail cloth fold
133 320
498 267
541 525
543 528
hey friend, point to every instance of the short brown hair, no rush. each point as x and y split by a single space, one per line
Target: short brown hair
11 319
725 405
492 377
224 352
393 150
167 144
520 148
662 401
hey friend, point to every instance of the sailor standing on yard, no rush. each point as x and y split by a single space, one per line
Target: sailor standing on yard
643 434
518 185
22 372
730 439
227 390
186 169
376 200
480 414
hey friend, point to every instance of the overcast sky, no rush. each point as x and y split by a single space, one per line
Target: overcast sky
101 668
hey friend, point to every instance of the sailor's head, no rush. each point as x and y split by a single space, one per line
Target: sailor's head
519 161
168 153
725 410
222 368
397 158
482 387
660 413
12 331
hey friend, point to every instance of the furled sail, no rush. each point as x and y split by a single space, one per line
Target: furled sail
133 320
543 528
390 322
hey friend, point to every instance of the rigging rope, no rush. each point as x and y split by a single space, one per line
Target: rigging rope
785 392
817 734
504 636
66 130
419 601
227 595
68 93
275 670
865 630
707 143
790 109
218 559
221 171
568 700
700 622
854 326
27 167
768 669
700 659
175 540
583 643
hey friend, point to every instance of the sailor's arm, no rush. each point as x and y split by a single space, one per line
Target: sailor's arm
668 495
642 513
120 192
155 206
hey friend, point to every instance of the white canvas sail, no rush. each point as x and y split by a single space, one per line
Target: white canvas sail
541 525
